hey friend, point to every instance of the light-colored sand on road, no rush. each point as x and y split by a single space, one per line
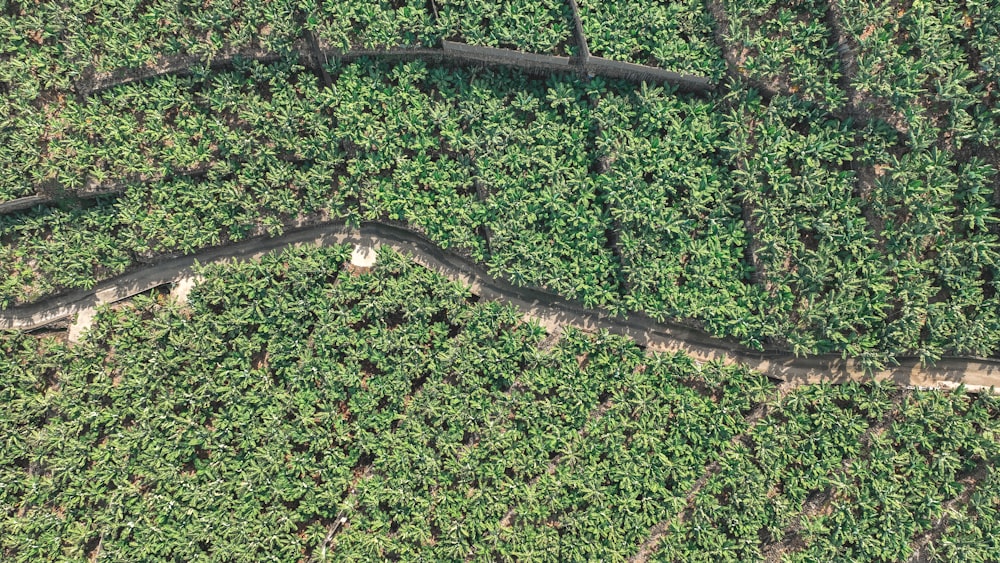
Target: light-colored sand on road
364 255
181 288
84 320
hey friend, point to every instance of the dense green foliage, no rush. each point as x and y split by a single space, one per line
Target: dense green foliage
932 63
200 164
539 26
408 142
48 47
676 35
294 392
766 220
786 45
854 472
860 243
675 210
53 48
297 409
55 42
928 68
375 24
838 192
973 529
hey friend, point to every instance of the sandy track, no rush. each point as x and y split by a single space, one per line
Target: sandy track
550 310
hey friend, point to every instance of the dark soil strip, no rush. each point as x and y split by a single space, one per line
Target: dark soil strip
750 253
735 58
865 179
613 243
613 228
747 207
91 190
847 48
318 58
719 33
482 195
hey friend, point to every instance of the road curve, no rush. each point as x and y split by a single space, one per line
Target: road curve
549 310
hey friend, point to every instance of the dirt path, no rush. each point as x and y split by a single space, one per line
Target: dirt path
549 310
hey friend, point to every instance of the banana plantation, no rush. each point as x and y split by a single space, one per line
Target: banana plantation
296 409
765 220
816 177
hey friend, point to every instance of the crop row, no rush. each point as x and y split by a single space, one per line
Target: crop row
858 225
839 472
384 414
970 528
765 221
676 35
785 45
925 63
933 64
928 68
79 36
60 41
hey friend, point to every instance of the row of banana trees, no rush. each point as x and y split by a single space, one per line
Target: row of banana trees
786 45
584 453
358 416
52 49
971 528
854 472
865 238
675 208
929 63
50 45
676 35
934 63
770 222
535 26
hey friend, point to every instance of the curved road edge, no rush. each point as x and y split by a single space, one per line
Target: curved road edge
549 310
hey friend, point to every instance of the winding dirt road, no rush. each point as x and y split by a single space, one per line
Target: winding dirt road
549 310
